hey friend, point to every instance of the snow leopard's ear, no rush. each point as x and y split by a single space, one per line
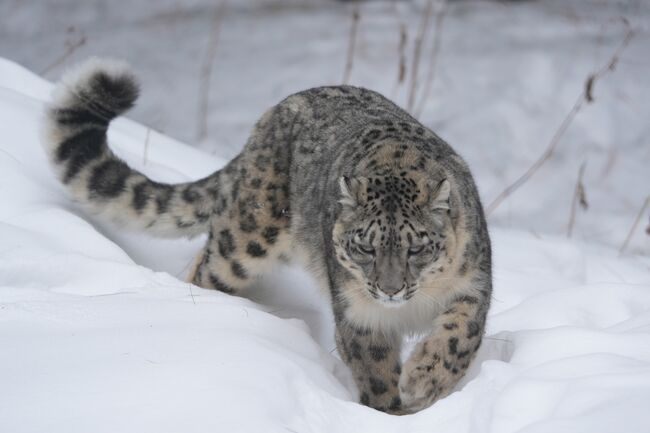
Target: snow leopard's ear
434 195
354 191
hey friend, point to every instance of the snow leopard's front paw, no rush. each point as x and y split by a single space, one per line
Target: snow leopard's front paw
438 362
430 373
418 385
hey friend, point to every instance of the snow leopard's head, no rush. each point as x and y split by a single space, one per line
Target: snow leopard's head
391 232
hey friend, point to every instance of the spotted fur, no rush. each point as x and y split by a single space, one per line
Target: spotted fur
381 210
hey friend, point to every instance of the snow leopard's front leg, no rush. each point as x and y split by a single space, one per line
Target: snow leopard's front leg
374 360
438 362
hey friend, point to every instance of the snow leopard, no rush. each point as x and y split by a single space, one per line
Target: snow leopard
380 209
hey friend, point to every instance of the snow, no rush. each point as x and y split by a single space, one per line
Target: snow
99 332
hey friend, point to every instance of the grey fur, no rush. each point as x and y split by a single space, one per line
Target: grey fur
380 208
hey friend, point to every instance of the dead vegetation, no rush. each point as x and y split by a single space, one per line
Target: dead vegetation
352 42
206 71
585 97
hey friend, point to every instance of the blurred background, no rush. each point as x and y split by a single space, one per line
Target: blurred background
547 100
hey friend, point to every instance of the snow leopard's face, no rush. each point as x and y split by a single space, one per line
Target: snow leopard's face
391 232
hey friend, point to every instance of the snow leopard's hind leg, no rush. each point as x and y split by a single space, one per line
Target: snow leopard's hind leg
250 227
231 260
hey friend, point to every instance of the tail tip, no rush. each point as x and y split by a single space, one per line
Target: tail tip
108 83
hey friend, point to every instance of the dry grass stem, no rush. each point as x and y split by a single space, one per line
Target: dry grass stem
441 13
403 38
206 72
579 197
401 59
4 152
589 88
636 223
417 53
352 42
192 294
582 98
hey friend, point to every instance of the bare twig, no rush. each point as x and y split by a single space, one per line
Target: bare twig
403 38
435 50
612 155
577 105
541 160
11 156
351 44
636 223
206 71
192 294
589 88
401 58
580 197
417 53
70 48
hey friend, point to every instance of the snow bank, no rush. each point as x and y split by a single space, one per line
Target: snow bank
99 332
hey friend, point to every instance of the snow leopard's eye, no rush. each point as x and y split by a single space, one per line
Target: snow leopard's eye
367 249
421 248
363 247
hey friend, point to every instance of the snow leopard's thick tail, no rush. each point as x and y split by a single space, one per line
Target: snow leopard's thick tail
84 102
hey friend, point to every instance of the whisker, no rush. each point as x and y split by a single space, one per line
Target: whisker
430 299
447 279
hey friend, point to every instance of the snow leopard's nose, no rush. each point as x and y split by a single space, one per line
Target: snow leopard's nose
392 290
390 274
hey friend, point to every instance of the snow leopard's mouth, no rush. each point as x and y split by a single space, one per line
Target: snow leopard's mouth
393 300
